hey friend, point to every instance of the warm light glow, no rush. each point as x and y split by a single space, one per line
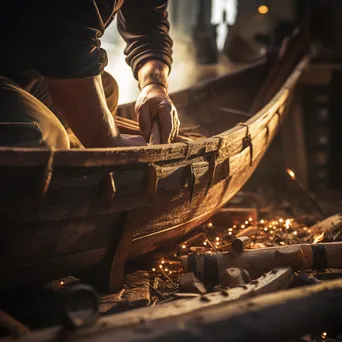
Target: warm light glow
263 9
153 269
217 243
183 246
291 174
281 220
160 266
205 243
262 221
234 226
324 335
295 233
250 219
318 238
242 226
282 243
217 238
230 233
210 225
163 262
230 229
166 269
246 222
287 223
61 283
265 229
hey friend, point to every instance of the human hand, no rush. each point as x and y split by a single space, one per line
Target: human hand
154 105
132 140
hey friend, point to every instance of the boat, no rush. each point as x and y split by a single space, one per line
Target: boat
84 212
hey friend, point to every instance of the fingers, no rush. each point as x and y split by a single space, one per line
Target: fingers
133 140
155 107
166 124
145 121
155 133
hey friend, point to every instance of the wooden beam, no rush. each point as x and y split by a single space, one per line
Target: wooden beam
272 317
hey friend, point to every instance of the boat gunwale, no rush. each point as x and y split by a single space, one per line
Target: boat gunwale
229 143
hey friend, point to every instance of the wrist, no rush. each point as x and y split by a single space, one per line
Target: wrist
153 72
156 84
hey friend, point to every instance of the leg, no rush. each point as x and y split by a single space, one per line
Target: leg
27 122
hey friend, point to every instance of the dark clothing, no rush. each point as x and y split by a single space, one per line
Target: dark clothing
60 38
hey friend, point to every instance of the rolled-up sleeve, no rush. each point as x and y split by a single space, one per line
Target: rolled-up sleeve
67 43
144 26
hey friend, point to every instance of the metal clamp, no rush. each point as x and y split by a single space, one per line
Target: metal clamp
46 179
247 142
226 168
267 134
212 169
152 182
191 178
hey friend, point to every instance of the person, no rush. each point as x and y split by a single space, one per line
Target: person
52 62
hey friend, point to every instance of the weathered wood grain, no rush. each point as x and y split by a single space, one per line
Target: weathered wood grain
89 189
271 282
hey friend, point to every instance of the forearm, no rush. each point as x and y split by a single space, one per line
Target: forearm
144 26
83 104
153 72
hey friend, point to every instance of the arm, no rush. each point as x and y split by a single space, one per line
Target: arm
68 53
145 28
83 104
154 104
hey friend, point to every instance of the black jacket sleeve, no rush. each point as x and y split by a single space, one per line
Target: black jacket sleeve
67 43
144 26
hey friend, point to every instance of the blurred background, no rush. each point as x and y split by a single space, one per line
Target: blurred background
219 35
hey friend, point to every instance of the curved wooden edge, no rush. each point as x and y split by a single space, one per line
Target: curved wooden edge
228 143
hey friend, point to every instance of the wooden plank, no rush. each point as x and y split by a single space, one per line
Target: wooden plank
273 281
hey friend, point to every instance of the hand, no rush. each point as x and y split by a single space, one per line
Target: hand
154 104
132 140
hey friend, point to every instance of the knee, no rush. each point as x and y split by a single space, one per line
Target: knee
54 135
28 122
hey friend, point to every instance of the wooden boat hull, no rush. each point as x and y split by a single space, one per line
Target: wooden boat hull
77 212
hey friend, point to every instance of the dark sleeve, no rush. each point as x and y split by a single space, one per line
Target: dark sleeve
67 36
144 26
